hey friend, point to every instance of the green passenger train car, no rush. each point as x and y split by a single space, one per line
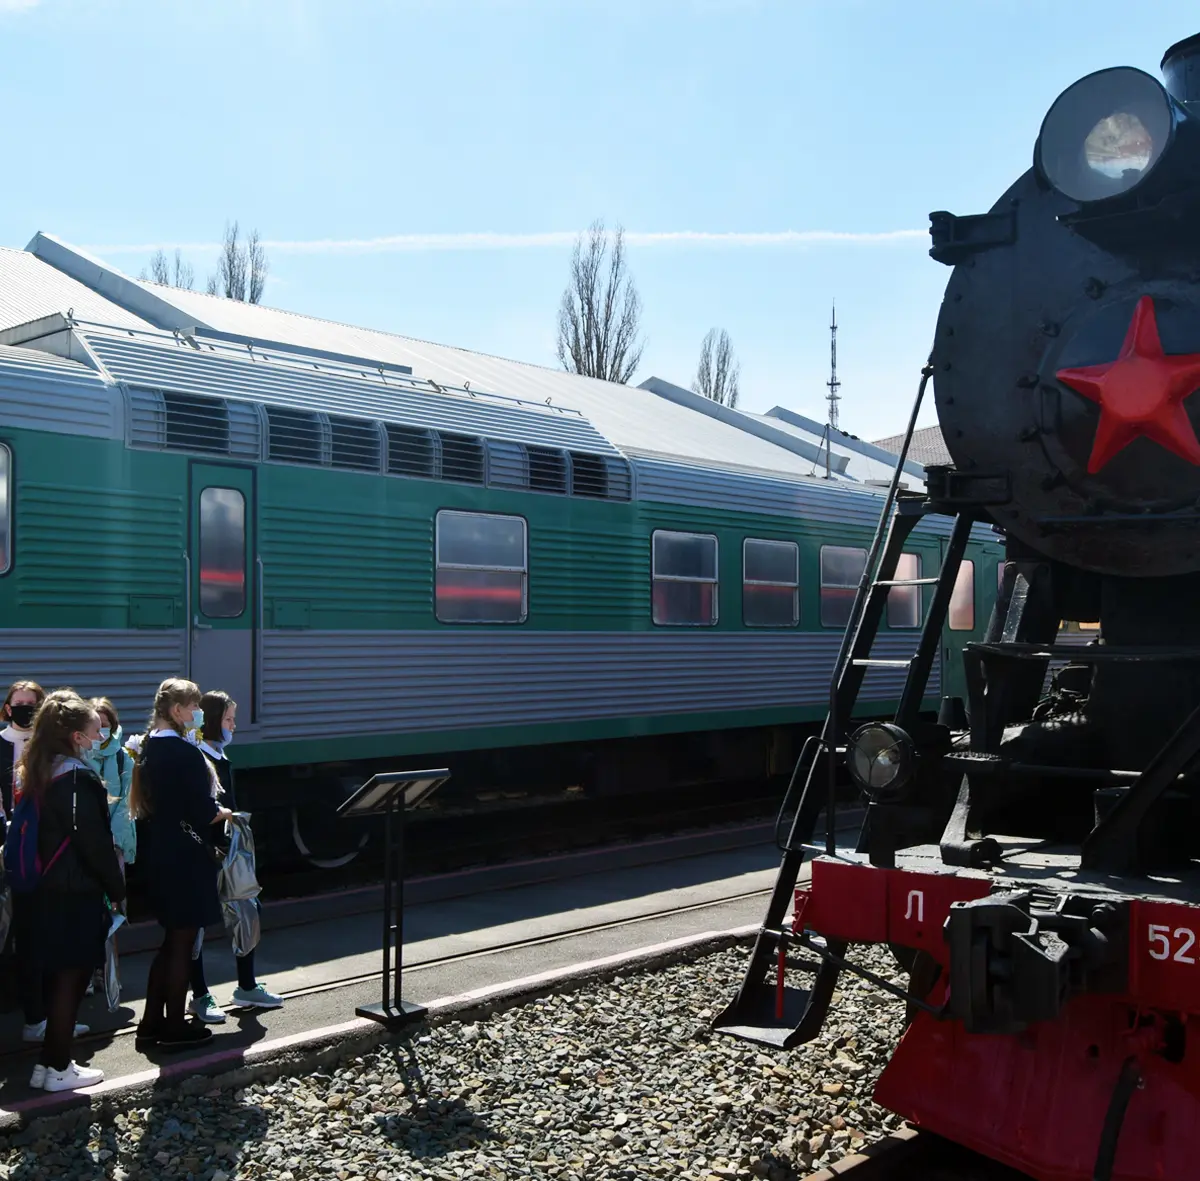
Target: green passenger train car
385 568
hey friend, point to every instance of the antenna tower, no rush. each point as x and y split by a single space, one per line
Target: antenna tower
833 383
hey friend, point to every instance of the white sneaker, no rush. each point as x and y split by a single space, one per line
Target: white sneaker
206 1008
37 1033
37 1080
74 1077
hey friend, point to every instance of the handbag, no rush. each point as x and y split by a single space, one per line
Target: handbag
215 854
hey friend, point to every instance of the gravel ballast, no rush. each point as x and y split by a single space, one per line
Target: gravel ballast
619 1079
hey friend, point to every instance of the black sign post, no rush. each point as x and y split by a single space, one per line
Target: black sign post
391 795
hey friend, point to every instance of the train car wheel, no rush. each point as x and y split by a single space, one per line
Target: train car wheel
326 841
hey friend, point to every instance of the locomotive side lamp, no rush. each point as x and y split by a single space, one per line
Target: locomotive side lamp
880 759
1107 134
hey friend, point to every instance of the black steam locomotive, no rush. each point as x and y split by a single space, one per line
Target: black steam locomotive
1032 855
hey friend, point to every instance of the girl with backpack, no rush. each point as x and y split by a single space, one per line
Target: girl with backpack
220 722
172 793
20 705
59 853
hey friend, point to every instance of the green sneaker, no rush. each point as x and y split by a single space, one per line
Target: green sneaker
256 998
206 1008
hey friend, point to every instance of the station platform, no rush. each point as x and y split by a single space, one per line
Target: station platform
325 968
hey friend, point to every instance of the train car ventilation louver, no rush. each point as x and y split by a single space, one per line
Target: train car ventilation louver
462 459
411 452
547 470
293 436
589 475
196 424
508 465
354 444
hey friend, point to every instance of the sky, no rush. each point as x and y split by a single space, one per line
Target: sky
422 166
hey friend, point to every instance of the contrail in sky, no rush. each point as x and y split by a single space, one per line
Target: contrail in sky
393 243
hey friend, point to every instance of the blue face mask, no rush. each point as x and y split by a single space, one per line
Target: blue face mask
226 735
105 733
197 719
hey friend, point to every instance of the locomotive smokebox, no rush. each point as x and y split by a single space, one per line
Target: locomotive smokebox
1067 353
1181 71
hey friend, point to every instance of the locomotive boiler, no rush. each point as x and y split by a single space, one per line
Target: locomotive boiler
1031 854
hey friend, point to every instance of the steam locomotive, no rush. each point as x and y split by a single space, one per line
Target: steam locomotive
1031 853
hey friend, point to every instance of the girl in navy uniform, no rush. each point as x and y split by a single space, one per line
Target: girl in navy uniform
220 722
79 868
172 794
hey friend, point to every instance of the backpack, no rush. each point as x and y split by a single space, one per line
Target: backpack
22 862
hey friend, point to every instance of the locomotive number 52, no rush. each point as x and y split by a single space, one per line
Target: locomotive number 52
1160 936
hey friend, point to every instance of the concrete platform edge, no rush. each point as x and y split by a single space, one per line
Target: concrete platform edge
324 1049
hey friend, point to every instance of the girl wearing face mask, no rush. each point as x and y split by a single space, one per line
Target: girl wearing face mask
17 713
115 767
79 867
172 793
20 706
220 722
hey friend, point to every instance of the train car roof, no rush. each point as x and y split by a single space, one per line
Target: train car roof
53 277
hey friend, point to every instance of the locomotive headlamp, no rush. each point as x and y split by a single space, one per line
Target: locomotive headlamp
880 759
1107 134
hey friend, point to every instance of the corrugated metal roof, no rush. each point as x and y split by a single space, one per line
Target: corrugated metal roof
31 289
927 446
158 360
631 418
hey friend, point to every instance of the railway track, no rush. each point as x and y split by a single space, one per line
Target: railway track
917 1156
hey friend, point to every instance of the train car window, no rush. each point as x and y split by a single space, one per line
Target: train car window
481 568
770 583
684 574
222 553
841 571
5 509
904 602
962 599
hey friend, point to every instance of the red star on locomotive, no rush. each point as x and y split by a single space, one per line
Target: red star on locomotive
1031 855
1140 393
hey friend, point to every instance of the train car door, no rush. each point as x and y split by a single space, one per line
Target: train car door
224 590
962 619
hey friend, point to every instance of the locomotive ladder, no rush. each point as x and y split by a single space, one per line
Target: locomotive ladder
764 1010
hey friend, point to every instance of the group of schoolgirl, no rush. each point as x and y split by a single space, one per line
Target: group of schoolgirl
72 788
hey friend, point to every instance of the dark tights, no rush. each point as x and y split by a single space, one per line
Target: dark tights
245 972
64 994
166 987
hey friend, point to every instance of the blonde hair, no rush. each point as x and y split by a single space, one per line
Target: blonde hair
172 692
62 714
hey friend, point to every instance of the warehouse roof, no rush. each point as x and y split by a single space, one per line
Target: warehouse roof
634 420
927 446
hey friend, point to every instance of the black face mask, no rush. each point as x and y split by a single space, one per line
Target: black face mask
22 715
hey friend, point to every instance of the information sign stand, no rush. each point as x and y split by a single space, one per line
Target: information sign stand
391 795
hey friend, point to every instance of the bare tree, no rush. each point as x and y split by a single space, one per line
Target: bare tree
717 375
232 264
160 272
184 275
600 314
241 267
257 259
